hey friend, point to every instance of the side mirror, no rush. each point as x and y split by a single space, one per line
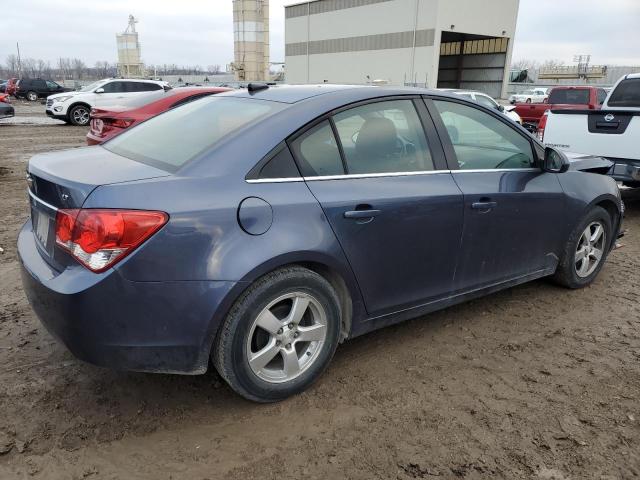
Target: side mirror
555 161
99 90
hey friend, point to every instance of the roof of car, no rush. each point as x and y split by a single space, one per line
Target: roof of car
297 93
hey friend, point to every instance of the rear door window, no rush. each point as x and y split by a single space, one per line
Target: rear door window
570 97
114 87
626 94
171 139
383 137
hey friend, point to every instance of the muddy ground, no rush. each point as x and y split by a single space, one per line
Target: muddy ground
533 382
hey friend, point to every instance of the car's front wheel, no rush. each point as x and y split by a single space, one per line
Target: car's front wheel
79 115
586 250
279 336
32 96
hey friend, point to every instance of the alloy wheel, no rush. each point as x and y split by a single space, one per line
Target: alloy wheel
590 249
286 337
80 116
32 97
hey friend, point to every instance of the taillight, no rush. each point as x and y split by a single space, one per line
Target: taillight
542 125
99 239
120 122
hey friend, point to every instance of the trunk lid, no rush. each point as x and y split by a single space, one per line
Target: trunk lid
65 179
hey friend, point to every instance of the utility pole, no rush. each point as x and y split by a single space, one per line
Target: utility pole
19 61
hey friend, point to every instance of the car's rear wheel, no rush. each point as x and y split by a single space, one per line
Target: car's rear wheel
32 96
79 115
586 250
528 100
279 336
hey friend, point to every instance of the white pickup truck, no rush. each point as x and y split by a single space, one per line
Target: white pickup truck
612 132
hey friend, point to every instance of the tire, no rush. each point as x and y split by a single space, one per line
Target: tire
528 100
571 271
79 115
242 335
32 96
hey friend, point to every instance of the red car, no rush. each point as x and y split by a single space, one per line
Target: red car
10 89
108 122
563 98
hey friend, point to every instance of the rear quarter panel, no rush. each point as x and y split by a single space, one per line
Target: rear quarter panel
203 239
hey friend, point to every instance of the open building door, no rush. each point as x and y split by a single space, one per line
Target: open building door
472 62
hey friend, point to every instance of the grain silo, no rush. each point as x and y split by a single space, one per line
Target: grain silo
251 39
129 59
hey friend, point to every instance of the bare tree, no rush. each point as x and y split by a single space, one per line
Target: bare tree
78 68
64 68
103 69
12 65
30 68
215 69
524 64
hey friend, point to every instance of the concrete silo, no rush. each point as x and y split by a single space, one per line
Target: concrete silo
251 39
129 58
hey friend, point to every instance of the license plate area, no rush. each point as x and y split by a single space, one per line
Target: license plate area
43 224
97 125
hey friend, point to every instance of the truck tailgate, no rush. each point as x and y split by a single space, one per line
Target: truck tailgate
612 134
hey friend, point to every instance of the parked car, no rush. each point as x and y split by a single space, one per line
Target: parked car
10 88
260 228
612 132
6 109
534 95
563 98
487 101
75 107
107 122
34 88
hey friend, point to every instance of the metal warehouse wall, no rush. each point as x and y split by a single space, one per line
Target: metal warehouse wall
359 41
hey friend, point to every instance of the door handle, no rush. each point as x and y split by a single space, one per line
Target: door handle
362 213
484 205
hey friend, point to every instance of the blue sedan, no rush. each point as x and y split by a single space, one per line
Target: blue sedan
258 229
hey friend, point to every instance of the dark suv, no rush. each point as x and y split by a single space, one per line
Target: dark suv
34 88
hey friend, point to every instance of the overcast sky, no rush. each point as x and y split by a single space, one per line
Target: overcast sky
200 32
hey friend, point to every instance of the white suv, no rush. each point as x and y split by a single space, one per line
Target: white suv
75 107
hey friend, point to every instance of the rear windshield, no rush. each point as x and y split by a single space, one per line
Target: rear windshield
171 139
626 94
570 97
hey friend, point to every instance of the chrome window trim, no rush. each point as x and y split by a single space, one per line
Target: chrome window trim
374 175
275 180
484 170
48 205
385 175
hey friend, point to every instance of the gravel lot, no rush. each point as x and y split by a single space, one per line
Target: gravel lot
532 382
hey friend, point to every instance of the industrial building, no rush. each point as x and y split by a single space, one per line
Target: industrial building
129 58
251 40
435 43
